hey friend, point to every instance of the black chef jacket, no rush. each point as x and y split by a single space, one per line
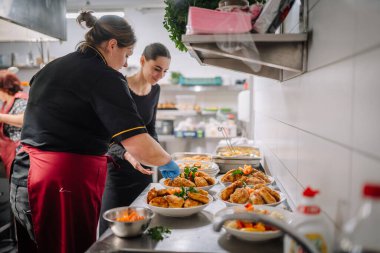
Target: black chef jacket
78 104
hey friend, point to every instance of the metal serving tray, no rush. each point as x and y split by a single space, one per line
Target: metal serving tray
187 157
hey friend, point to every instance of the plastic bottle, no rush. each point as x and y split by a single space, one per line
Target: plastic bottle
310 222
362 232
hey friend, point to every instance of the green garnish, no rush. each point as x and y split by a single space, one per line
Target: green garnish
237 172
192 189
159 233
190 171
181 194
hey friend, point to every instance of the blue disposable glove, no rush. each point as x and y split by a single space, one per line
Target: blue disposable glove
169 170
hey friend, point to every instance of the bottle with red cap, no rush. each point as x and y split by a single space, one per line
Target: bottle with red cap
310 222
362 232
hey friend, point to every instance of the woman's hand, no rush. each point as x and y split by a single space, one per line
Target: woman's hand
136 164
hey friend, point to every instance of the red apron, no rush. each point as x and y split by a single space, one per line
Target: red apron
65 192
7 146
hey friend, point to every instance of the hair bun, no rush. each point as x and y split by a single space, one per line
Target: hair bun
87 17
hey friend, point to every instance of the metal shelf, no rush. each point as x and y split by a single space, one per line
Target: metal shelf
281 56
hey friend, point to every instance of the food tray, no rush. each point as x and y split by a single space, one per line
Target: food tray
229 164
188 156
247 153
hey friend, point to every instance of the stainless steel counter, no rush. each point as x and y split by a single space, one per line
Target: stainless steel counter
188 234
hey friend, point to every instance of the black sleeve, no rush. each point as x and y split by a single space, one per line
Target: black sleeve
151 126
116 151
115 107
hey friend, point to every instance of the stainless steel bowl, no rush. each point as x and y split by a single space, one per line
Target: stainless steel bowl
128 229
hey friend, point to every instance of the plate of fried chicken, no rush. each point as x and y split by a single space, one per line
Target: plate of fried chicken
190 178
178 202
248 174
238 193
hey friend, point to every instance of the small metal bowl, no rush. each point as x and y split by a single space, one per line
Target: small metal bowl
128 229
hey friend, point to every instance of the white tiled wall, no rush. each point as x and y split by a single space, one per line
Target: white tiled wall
322 128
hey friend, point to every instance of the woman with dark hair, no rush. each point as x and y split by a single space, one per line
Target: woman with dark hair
11 117
123 183
78 104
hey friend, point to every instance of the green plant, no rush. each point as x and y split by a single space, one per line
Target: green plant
176 12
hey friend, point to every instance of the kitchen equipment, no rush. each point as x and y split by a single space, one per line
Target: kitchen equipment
165 127
128 229
227 161
306 245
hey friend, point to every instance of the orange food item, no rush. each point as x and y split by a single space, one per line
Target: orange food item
131 217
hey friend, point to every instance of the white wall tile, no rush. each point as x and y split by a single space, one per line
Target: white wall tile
332 26
367 24
284 179
364 169
325 102
366 104
325 166
287 148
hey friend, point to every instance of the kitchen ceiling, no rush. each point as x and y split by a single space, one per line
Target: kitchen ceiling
101 5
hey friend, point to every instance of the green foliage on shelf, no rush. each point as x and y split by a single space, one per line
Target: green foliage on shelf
176 12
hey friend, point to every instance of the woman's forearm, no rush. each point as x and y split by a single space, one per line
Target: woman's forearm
146 150
13 120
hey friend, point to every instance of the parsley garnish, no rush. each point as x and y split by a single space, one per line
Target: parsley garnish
158 233
190 171
237 172
184 191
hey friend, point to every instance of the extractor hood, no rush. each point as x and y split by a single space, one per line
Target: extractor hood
28 20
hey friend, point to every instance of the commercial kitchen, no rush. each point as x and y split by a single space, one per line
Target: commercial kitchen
269 109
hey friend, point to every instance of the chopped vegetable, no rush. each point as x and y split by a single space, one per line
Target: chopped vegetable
130 216
158 233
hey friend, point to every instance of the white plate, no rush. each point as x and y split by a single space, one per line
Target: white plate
212 171
225 184
282 198
256 236
206 188
179 212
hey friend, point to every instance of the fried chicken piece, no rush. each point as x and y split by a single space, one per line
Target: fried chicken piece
178 182
203 192
201 174
159 202
151 195
191 203
261 175
230 177
258 186
226 193
199 197
274 193
240 196
210 180
256 199
168 182
254 180
200 181
269 199
174 201
163 192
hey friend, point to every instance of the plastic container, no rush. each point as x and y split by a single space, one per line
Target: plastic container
361 233
205 21
311 223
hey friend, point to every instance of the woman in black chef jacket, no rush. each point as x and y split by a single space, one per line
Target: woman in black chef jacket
123 183
78 104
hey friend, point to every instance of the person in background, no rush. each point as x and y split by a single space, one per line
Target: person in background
78 104
11 117
124 183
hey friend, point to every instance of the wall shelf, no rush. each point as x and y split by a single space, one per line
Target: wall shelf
281 56
176 88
